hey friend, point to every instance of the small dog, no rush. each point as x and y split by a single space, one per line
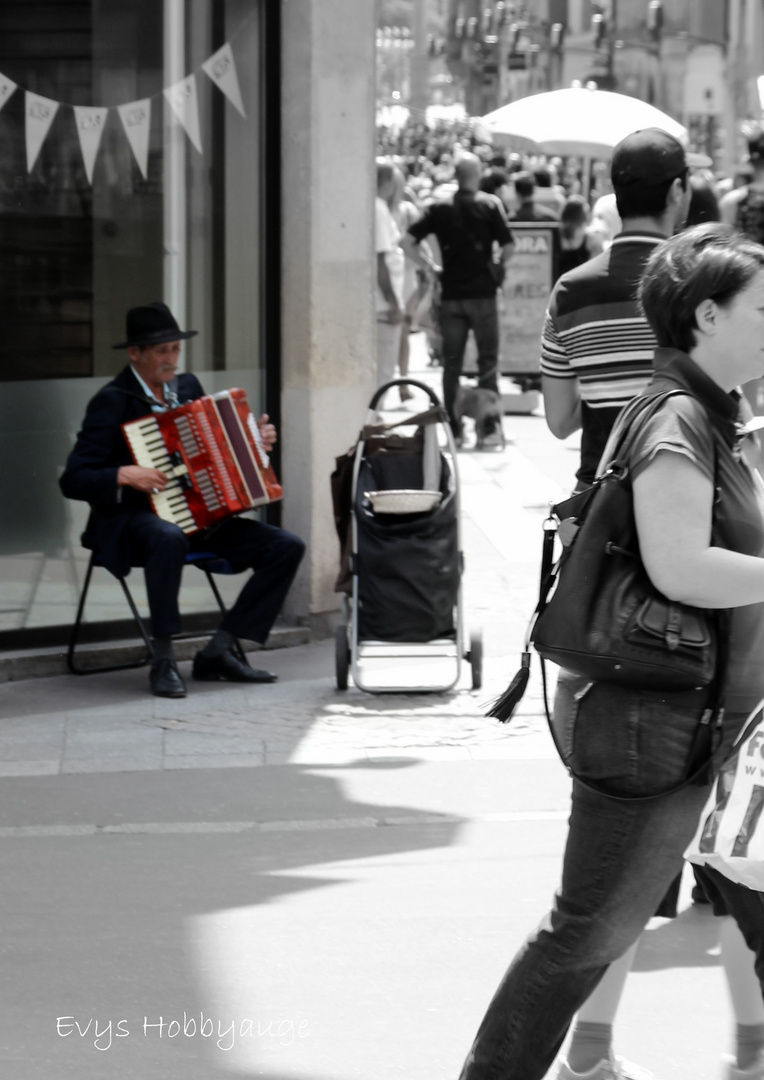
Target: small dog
485 408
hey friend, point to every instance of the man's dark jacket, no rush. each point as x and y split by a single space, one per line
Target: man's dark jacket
100 450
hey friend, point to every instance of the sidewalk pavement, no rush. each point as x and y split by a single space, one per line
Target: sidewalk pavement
108 722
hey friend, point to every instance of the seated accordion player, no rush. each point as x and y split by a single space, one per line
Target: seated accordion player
212 453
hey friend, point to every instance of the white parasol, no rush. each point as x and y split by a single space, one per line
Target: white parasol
586 123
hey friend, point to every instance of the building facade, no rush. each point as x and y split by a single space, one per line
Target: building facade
214 154
698 60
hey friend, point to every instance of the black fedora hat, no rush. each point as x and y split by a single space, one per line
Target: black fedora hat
153 324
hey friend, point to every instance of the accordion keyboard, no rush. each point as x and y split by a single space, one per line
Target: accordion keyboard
149 450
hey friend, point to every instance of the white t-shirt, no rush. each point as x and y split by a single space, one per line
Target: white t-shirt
388 237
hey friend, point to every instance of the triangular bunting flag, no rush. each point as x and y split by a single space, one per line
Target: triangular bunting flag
136 120
222 70
39 116
185 104
90 123
7 86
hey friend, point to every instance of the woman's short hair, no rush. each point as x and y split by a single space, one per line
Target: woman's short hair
707 262
574 215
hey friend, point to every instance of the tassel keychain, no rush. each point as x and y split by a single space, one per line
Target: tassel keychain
504 706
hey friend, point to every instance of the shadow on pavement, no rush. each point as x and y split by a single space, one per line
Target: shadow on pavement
171 914
689 940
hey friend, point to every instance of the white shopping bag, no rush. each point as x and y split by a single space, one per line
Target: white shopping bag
730 834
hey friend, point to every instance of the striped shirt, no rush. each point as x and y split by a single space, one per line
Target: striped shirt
595 332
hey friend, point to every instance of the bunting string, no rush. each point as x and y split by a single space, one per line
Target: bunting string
135 116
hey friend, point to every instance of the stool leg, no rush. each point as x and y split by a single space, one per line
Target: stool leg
74 636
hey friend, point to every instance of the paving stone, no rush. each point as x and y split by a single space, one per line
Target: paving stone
114 763
30 767
214 761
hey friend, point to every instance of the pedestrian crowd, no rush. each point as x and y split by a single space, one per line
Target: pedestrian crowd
419 188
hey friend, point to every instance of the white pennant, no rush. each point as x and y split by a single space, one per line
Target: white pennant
90 123
136 120
184 103
222 70
39 116
7 86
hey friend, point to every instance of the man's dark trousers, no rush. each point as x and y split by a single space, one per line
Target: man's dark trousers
274 555
457 318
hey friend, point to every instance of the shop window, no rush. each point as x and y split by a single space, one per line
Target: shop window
82 240
183 225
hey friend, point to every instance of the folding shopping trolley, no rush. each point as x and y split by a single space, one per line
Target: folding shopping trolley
397 515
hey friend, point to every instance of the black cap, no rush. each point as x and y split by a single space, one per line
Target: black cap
650 156
153 324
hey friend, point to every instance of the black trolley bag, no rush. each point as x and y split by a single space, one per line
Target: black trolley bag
402 563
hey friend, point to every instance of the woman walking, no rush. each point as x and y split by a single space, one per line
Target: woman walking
691 467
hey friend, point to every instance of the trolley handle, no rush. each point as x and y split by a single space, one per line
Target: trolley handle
404 382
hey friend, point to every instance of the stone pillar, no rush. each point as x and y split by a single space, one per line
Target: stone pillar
328 276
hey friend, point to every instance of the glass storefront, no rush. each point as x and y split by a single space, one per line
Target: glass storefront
184 225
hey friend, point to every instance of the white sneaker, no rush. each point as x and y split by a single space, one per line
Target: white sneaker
609 1069
753 1072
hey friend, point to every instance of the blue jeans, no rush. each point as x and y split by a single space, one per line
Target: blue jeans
457 318
620 859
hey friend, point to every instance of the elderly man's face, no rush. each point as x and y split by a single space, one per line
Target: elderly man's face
155 363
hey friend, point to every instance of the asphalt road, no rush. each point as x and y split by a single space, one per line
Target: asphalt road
295 921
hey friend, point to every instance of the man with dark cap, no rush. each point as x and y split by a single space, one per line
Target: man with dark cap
597 348
469 228
125 531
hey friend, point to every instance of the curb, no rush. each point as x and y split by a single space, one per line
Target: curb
45 663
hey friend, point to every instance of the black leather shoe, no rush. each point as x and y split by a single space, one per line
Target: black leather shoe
165 680
228 667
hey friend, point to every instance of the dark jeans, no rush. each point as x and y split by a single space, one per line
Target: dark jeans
619 861
457 318
274 555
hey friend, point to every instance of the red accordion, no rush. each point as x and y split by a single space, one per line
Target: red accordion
213 455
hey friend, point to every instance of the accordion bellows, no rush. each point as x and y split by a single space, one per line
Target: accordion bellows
212 453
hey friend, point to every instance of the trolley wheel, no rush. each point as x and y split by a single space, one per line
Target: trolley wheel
342 656
475 658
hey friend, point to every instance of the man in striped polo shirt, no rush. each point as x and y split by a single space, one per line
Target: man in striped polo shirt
596 348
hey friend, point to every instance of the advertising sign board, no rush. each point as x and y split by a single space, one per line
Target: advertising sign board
523 299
